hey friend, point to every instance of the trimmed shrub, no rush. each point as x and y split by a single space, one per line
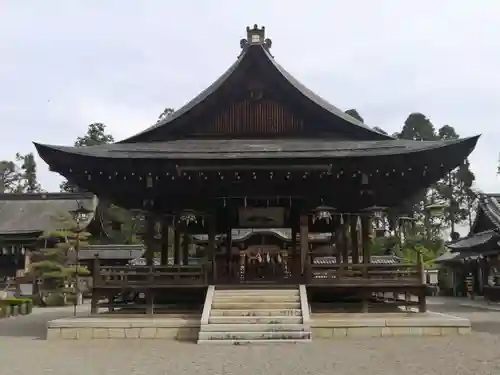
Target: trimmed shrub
55 299
15 306
5 311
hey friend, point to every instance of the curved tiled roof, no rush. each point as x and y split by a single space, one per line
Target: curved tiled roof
259 51
490 205
250 149
475 241
31 213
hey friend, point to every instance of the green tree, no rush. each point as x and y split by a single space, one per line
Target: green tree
455 189
354 113
28 173
166 112
380 130
418 127
54 267
96 135
9 177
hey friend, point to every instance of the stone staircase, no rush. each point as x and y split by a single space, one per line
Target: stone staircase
245 316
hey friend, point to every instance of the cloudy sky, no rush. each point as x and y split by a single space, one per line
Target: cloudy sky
67 63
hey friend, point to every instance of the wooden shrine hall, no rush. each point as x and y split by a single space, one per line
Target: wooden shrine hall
257 149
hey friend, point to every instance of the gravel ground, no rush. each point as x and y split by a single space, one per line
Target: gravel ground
476 354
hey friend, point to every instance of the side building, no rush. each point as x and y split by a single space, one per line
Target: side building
24 218
472 264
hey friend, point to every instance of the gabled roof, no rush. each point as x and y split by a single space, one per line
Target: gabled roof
488 238
488 213
258 55
32 213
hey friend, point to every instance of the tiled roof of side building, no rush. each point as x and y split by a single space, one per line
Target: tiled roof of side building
31 213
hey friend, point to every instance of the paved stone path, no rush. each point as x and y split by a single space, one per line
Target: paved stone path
23 353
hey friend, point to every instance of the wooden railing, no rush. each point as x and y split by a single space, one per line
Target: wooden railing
364 273
150 275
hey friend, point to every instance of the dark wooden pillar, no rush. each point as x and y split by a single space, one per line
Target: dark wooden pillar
365 239
345 240
338 240
422 300
185 247
165 226
150 251
150 240
294 257
210 219
177 241
353 223
304 242
229 250
96 277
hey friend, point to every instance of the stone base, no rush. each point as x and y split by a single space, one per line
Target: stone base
328 326
323 326
182 329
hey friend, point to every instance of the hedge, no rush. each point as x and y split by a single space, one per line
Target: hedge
15 306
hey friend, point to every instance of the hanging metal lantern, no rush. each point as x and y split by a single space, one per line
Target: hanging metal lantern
435 209
323 213
188 217
377 211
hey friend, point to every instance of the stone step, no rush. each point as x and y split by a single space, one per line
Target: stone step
253 335
252 327
255 298
255 319
280 313
255 305
257 292
252 342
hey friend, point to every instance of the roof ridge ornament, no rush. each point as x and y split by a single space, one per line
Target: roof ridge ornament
256 36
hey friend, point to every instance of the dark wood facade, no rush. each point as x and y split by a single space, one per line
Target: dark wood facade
257 138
